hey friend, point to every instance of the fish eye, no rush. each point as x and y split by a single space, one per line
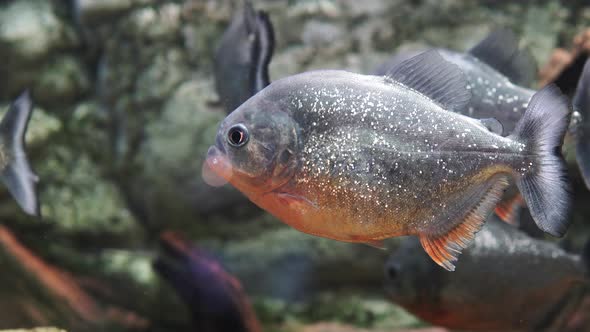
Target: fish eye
237 135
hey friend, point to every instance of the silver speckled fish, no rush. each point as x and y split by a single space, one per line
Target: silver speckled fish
362 158
15 172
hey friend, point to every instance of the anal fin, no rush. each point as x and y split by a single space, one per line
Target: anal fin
444 246
509 209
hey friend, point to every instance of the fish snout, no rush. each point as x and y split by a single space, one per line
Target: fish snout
216 169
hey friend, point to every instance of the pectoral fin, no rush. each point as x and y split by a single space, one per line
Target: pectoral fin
297 200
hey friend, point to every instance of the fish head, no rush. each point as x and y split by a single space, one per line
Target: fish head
256 147
412 279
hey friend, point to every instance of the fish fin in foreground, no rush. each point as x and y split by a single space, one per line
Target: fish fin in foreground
500 51
445 245
509 209
17 174
434 77
545 187
582 127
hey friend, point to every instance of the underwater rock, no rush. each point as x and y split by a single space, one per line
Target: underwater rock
63 80
31 31
91 12
38 293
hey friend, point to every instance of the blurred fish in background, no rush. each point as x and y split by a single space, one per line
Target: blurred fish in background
507 281
15 171
215 298
242 57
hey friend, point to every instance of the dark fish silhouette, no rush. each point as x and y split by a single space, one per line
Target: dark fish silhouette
15 172
362 158
582 124
215 298
242 57
506 281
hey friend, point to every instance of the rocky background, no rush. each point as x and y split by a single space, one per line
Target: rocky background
126 110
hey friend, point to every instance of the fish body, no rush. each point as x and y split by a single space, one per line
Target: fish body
15 171
506 281
361 158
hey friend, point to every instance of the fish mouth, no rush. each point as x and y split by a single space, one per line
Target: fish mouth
217 169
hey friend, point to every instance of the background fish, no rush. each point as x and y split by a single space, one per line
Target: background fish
15 172
242 57
582 127
215 298
363 158
499 73
506 281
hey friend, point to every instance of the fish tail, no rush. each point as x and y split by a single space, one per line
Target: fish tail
581 127
545 186
16 174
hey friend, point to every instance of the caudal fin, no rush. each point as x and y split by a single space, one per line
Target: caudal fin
544 184
582 125
16 173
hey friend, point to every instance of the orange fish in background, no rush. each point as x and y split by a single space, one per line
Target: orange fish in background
216 300
362 158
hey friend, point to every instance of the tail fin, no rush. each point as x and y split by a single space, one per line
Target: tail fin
16 173
545 187
582 126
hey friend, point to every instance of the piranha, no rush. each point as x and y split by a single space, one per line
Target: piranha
242 57
15 172
216 299
361 158
542 283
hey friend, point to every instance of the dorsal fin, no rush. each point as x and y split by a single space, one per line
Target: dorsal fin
500 51
436 78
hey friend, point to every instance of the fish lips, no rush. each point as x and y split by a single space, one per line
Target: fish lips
216 169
